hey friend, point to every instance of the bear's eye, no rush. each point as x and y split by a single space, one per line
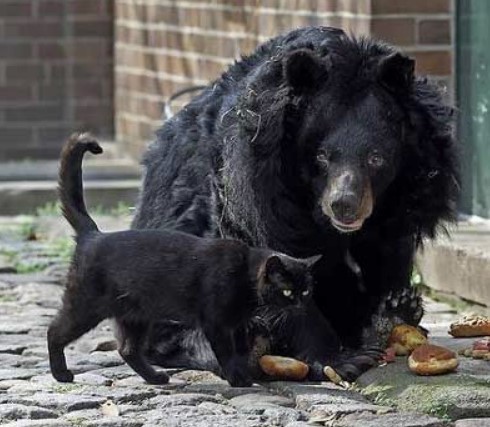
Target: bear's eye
287 293
323 157
376 160
305 293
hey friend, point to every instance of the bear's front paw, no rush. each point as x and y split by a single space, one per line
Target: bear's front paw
353 364
405 305
395 308
238 374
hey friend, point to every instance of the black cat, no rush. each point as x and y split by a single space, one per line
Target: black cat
138 277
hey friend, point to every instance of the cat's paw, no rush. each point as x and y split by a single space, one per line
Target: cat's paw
158 378
63 376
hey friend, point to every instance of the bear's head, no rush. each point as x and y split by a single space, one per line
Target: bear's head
355 136
351 136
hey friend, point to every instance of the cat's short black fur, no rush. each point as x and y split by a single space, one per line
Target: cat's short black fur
138 277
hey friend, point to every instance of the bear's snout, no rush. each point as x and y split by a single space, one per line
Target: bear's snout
344 207
348 201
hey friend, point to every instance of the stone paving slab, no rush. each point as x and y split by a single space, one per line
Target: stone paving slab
108 393
462 394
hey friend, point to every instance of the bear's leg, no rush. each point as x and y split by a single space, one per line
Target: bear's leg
132 339
386 266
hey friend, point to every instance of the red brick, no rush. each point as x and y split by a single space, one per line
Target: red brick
108 7
437 63
57 72
18 8
93 114
15 93
14 136
92 28
21 151
35 113
91 50
48 51
51 92
12 50
34 30
24 72
435 32
83 71
354 6
410 6
146 107
83 91
400 31
85 7
50 8
53 135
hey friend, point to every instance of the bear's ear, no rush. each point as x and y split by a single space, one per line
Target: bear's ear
303 69
396 72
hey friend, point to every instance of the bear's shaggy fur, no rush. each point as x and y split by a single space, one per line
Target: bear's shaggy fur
317 143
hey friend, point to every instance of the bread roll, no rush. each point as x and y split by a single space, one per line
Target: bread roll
431 359
470 326
284 367
479 350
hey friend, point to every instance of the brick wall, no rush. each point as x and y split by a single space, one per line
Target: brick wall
56 73
164 45
423 29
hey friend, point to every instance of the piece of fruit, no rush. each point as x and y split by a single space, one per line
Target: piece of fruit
405 338
389 356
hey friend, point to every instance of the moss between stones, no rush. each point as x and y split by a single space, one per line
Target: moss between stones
451 398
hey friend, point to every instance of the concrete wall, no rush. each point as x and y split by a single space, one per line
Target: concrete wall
165 45
56 73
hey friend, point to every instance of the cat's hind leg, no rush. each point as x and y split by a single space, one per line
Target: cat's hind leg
132 340
69 325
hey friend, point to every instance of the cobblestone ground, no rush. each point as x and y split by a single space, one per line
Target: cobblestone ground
107 393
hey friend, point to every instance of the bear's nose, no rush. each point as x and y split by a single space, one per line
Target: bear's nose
345 208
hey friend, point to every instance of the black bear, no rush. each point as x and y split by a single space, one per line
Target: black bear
317 143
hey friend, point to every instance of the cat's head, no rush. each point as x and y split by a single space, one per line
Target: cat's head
285 281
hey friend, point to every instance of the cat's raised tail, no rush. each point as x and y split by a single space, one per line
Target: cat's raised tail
70 186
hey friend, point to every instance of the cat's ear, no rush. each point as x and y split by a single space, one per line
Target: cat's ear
274 268
312 260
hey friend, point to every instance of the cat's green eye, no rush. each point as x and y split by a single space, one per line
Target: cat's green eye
305 293
287 292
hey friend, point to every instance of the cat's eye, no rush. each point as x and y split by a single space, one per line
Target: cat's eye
305 293
287 293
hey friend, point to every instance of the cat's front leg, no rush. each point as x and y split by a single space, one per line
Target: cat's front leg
231 349
239 363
